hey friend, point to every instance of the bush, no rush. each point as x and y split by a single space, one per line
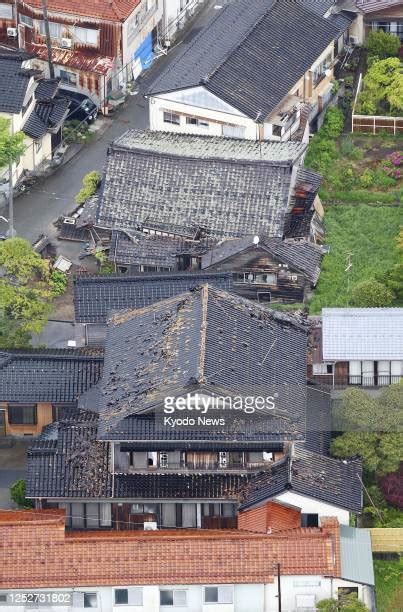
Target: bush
381 45
392 489
58 282
346 603
371 294
348 149
334 122
367 178
17 494
90 185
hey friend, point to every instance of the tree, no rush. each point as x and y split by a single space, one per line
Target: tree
382 45
90 185
383 87
25 296
12 146
20 260
345 603
371 294
17 494
372 429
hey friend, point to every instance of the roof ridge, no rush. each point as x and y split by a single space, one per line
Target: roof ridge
203 334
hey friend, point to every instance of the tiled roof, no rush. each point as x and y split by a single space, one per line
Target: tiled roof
111 10
362 333
204 339
46 89
304 257
320 7
47 375
14 82
46 115
38 553
97 296
182 486
373 6
80 60
196 183
138 249
69 462
329 480
263 47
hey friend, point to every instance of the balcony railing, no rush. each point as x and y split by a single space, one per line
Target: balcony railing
199 467
358 381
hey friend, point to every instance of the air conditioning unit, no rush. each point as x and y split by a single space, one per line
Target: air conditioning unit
66 43
12 32
354 40
294 277
150 526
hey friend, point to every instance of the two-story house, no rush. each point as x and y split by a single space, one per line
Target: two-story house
33 106
124 463
242 570
96 47
254 71
386 15
357 346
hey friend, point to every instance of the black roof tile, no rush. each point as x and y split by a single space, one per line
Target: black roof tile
95 297
47 375
179 183
311 474
251 54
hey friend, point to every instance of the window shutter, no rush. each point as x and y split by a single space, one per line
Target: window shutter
135 596
225 594
78 600
179 598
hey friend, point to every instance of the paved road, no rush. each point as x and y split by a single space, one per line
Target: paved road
35 212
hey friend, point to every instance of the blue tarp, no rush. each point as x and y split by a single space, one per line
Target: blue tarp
145 52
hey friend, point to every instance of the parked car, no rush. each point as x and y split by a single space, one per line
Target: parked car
81 107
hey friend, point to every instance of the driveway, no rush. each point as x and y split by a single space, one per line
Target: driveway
12 467
35 212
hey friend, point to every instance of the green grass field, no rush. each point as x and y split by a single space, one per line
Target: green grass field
368 233
389 585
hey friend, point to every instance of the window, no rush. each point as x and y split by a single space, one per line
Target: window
277 130
309 520
218 594
163 459
90 600
22 415
319 71
54 29
28 21
233 131
322 368
6 11
68 77
173 598
86 36
171 118
196 121
121 596
256 278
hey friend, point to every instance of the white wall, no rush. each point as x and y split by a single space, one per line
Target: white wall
309 505
132 34
197 102
247 597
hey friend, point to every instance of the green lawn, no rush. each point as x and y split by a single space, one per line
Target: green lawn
389 585
368 232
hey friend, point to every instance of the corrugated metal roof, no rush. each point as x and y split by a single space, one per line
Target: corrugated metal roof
87 62
362 333
356 555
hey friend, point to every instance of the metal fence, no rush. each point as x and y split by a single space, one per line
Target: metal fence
374 124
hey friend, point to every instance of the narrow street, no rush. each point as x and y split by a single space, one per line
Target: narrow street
51 197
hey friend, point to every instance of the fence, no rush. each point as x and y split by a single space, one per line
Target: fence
387 540
374 124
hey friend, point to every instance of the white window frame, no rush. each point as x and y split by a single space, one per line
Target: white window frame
171 121
6 11
225 594
52 26
96 599
26 20
72 82
163 459
175 598
82 36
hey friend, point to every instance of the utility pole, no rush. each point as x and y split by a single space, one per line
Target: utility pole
48 41
11 231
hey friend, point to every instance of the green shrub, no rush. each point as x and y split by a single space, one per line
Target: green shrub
381 45
90 185
334 122
371 294
382 180
17 494
58 282
367 178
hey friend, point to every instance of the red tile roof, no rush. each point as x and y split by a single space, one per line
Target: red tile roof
87 62
36 552
112 10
